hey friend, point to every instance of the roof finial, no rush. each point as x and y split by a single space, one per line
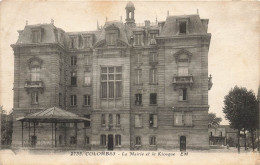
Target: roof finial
197 11
168 13
52 21
106 19
26 22
156 19
121 18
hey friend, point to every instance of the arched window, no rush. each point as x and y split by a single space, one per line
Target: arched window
35 73
35 68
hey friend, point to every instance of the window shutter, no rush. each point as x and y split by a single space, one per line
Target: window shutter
188 119
155 120
181 94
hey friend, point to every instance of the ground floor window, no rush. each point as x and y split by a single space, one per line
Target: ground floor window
152 140
137 140
118 140
72 140
87 140
103 140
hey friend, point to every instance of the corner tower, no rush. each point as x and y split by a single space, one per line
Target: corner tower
130 14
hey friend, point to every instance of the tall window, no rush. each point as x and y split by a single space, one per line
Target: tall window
87 78
35 97
60 75
110 116
153 140
139 58
137 140
73 60
153 98
73 100
103 120
182 94
183 29
153 76
153 120
73 78
138 76
118 140
87 123
220 133
138 99
153 57
87 140
178 118
35 73
103 140
87 59
86 100
60 99
138 121
111 82
36 36
138 39
118 122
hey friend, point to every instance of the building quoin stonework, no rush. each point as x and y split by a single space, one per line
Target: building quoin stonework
124 86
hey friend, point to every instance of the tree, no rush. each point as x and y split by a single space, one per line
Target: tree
240 108
214 121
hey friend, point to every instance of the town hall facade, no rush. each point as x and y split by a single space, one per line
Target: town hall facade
141 87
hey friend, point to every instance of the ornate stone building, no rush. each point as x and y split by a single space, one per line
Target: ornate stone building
144 87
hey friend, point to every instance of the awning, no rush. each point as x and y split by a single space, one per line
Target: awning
52 115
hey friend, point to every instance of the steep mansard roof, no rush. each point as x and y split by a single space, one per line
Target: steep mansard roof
124 31
51 34
195 25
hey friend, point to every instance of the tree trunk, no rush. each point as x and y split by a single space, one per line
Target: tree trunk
238 143
245 138
252 138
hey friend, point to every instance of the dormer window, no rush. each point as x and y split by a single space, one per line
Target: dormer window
111 39
36 35
87 41
112 34
73 42
183 28
138 39
152 37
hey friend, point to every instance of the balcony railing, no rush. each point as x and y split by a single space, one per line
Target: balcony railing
182 81
34 85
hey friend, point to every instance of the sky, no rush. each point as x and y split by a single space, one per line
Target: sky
234 26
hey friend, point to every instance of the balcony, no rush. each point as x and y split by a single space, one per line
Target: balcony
182 81
38 85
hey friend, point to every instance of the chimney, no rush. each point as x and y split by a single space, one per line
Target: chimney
147 23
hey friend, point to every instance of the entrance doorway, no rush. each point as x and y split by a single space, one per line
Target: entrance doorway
183 143
33 141
110 144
